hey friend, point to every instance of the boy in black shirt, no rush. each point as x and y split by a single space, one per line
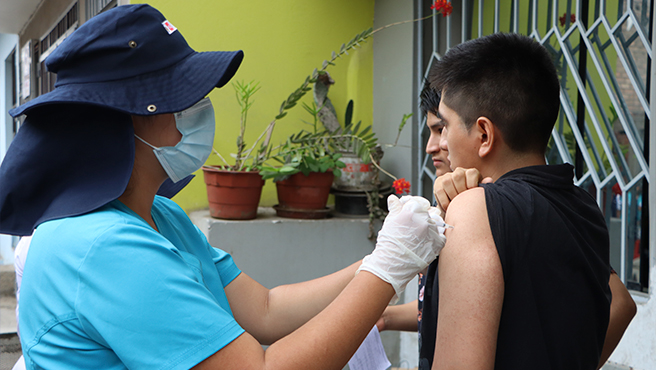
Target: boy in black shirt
524 274
537 285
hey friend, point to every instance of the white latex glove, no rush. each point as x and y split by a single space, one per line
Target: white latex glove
408 242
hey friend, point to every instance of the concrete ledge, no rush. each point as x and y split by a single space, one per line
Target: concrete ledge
275 250
614 366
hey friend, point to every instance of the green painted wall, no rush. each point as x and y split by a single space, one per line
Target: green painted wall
283 41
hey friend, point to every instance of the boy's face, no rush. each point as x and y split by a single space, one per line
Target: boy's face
439 156
456 140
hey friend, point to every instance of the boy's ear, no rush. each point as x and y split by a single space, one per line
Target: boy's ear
487 136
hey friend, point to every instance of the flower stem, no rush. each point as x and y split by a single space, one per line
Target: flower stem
402 22
380 168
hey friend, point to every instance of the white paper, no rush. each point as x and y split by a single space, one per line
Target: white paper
371 354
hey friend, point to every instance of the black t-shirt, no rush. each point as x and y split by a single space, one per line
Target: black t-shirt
427 318
553 246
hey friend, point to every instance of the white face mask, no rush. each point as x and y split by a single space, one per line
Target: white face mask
196 124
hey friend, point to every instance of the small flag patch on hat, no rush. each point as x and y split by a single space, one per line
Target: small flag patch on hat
169 27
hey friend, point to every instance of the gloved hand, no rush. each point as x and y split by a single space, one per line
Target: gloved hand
408 242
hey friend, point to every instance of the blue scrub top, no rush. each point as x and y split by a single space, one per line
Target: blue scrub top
105 290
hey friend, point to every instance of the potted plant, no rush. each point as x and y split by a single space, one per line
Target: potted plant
264 152
359 190
224 180
307 166
310 163
234 191
313 156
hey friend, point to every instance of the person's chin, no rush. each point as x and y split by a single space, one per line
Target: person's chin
441 167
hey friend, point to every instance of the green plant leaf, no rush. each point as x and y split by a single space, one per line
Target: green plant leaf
356 128
348 116
287 169
367 137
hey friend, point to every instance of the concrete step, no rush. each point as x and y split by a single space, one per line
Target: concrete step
7 314
7 300
7 280
11 350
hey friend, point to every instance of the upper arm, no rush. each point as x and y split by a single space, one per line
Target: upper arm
471 288
622 306
622 310
248 301
243 353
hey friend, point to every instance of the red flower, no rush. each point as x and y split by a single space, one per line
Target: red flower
442 6
616 189
401 186
572 19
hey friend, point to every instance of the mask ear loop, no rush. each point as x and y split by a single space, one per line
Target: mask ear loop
145 142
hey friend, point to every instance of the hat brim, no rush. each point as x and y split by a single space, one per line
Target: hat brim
169 90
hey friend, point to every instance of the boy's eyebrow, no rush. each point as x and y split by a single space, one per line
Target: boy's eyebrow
439 122
441 117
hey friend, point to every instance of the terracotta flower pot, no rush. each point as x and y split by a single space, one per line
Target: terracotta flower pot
233 195
304 193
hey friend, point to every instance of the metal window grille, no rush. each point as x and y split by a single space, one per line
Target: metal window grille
602 50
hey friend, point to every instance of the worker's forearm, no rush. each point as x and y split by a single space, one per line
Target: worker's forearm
331 337
290 306
401 317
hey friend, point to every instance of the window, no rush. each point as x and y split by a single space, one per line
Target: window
66 25
95 7
604 118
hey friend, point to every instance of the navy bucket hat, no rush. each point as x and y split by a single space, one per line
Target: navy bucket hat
75 149
133 60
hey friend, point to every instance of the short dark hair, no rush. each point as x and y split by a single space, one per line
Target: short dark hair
508 78
429 100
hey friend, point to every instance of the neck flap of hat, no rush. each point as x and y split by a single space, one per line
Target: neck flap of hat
66 160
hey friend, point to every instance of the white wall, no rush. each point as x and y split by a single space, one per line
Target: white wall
638 346
393 84
7 45
393 97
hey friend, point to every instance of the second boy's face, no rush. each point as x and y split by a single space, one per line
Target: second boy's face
456 140
438 156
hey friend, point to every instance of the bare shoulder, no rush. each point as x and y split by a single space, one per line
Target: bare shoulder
471 287
470 240
468 211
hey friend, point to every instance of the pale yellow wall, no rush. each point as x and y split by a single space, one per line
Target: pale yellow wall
283 41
